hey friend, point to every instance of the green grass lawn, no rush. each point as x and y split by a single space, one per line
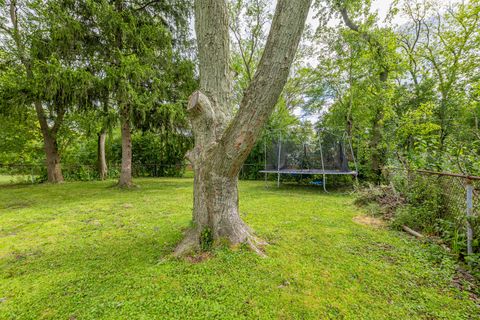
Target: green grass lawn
90 251
14 179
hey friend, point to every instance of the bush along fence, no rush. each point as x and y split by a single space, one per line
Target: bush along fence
442 204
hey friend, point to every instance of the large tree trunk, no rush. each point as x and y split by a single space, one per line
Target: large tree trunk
221 143
102 161
125 180
215 211
54 170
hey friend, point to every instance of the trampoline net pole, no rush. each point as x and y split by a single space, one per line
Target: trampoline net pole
353 157
265 160
278 160
323 165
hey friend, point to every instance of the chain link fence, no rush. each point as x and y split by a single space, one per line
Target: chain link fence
34 173
442 204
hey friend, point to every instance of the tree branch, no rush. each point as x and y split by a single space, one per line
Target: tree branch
148 3
58 121
214 56
203 119
263 92
380 50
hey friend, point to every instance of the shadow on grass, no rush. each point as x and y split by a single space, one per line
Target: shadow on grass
70 193
297 188
77 254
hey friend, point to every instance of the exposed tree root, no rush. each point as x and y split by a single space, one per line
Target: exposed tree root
191 243
129 185
257 245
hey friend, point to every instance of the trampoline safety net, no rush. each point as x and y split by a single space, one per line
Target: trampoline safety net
330 154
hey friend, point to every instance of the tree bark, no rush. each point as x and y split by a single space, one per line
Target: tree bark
102 162
377 156
221 143
125 180
54 170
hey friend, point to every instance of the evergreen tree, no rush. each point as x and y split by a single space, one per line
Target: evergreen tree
133 49
41 44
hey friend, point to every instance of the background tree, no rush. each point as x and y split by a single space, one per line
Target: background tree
42 49
131 50
406 107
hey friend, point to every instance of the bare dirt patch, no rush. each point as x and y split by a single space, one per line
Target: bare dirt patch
369 221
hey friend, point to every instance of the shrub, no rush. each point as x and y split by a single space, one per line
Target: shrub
383 200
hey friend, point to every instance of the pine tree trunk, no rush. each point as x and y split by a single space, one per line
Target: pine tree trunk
54 170
221 143
102 162
125 180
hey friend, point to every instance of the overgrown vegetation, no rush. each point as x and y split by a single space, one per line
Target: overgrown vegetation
431 204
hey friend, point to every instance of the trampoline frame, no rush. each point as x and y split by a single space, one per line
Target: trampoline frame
322 171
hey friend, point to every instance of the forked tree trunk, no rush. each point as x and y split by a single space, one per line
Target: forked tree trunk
125 180
221 143
102 161
54 170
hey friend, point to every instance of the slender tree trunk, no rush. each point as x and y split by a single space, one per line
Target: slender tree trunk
126 170
54 170
102 162
221 143
376 150
377 157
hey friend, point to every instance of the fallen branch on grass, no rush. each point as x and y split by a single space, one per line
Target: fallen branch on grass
412 232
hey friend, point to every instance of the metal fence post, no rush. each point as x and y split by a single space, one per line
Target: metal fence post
469 214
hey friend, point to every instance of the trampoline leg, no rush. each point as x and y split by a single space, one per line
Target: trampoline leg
324 183
278 180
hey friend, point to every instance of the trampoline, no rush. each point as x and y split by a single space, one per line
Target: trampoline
330 154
